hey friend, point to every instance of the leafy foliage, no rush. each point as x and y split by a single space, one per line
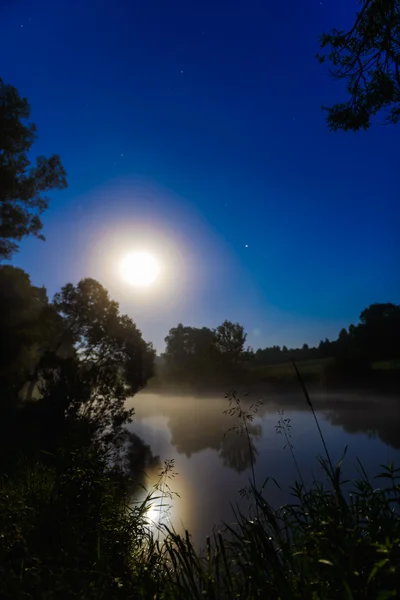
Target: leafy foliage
27 328
189 348
70 363
109 362
367 57
230 339
102 337
66 531
192 352
22 186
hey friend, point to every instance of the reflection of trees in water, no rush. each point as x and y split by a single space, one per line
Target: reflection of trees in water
138 458
192 432
235 451
196 424
376 420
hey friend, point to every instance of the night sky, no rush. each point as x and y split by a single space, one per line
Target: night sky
195 129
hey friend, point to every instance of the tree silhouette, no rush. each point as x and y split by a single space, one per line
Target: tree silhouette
22 186
367 58
102 337
229 340
27 328
189 351
379 330
175 351
87 357
184 343
203 356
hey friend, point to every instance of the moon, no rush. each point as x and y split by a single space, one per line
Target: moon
140 269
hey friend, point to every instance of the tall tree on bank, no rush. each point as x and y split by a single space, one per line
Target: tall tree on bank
229 340
22 186
110 360
367 58
190 351
79 354
101 336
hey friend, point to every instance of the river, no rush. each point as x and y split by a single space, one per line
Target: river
212 462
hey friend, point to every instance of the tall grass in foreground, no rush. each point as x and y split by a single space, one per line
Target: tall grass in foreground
68 531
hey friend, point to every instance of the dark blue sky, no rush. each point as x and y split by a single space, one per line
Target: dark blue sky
197 128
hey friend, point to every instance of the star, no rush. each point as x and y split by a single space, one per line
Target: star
246 245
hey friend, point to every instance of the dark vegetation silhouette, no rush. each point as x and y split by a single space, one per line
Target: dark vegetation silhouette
22 186
78 355
192 352
205 356
366 58
67 366
68 525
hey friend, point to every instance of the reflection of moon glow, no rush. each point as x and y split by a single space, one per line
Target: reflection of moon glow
154 514
157 515
140 269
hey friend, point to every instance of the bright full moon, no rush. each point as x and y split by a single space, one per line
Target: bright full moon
140 269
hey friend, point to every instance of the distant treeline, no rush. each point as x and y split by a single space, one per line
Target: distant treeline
376 337
193 352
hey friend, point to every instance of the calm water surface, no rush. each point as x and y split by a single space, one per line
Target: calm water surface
213 463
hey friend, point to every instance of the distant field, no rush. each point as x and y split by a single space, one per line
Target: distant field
315 367
387 365
286 371
315 370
